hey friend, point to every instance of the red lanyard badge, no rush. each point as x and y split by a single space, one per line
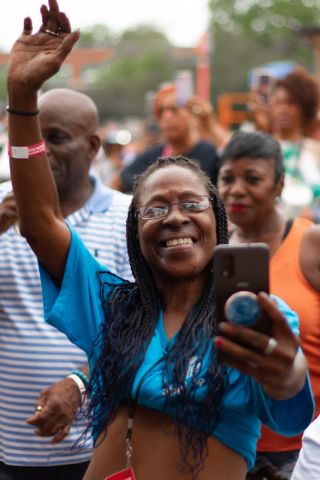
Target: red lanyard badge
126 474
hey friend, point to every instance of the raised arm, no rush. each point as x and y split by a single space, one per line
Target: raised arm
209 127
35 58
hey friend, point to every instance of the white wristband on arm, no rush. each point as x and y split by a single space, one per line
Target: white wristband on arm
79 382
26 152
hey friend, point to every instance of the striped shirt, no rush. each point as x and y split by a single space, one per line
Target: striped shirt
33 354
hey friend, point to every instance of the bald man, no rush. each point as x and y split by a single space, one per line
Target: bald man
38 400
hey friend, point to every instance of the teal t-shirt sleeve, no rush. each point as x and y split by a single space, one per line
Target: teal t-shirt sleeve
75 308
287 417
290 315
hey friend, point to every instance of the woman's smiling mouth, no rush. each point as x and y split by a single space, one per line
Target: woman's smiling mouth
179 241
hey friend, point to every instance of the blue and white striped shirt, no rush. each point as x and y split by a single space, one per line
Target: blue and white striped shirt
33 354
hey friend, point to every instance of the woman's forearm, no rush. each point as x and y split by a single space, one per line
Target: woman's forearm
40 220
294 382
34 188
34 58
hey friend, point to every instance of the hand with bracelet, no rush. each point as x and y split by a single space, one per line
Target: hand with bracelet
58 405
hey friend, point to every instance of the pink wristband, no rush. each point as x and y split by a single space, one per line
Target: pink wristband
27 152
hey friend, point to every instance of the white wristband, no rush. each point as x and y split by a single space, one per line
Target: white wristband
79 382
28 151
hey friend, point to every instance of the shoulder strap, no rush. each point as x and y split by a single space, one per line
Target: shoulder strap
287 229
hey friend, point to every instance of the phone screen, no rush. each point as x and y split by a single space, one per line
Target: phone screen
264 85
184 87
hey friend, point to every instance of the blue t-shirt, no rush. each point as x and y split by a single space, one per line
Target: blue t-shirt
76 310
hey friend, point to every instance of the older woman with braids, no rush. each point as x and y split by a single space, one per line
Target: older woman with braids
171 397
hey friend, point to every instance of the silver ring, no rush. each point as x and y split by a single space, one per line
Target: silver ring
271 345
196 110
39 408
50 32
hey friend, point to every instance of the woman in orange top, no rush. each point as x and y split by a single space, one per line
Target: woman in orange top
250 180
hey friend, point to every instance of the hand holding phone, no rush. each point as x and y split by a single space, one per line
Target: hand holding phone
241 272
184 87
264 84
267 350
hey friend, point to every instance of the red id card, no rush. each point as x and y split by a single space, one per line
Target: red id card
126 474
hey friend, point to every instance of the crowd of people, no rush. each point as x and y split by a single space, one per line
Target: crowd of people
113 362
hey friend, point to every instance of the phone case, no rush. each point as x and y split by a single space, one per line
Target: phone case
184 87
264 83
237 268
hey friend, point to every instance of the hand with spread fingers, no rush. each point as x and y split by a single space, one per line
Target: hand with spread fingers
275 362
56 409
8 212
35 57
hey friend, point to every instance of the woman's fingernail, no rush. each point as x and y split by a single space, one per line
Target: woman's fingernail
218 342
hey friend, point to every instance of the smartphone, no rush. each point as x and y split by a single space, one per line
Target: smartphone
242 268
184 86
264 84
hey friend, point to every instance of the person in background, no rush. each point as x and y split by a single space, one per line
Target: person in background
170 397
308 463
4 159
250 181
180 133
151 136
289 115
109 160
34 355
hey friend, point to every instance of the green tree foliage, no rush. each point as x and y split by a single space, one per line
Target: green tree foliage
121 89
143 60
262 15
3 85
97 36
249 33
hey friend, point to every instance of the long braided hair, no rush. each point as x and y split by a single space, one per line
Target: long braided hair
132 311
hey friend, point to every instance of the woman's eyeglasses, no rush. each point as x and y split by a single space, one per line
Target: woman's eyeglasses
148 212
